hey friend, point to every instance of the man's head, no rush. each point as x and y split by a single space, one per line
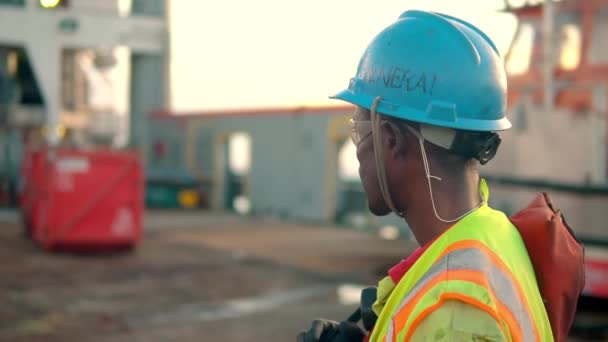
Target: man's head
440 85
402 162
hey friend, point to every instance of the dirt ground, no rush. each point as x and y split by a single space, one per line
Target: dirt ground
195 277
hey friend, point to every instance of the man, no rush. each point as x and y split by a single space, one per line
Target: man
430 95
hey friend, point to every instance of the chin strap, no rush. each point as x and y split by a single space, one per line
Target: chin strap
381 169
379 156
427 171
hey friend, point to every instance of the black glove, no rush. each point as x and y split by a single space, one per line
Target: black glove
323 330
368 316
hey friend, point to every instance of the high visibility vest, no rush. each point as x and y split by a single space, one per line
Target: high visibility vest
481 261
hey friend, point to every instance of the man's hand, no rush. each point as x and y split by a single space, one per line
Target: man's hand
323 330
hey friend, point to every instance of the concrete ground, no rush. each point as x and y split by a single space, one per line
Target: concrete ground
195 277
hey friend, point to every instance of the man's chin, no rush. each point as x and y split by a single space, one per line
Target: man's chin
379 210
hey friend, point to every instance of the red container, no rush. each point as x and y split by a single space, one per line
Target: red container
596 277
32 178
87 200
36 189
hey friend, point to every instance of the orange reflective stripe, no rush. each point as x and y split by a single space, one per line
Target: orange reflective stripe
403 314
478 245
473 262
443 298
498 263
514 328
401 317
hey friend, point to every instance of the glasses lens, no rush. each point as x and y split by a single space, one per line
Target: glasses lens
353 132
359 130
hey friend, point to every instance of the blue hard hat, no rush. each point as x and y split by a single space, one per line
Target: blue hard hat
433 69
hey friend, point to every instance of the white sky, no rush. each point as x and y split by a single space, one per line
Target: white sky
279 53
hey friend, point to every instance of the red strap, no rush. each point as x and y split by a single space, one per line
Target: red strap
398 271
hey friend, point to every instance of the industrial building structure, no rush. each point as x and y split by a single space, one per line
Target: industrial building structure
82 73
558 104
558 90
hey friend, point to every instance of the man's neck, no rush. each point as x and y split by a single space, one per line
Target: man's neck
453 198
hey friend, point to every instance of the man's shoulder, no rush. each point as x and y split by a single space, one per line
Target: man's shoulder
458 321
492 227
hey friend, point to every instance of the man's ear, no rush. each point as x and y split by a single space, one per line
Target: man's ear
393 139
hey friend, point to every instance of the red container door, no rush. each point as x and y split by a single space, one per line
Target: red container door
93 200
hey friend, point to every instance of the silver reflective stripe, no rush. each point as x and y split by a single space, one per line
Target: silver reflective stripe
389 334
500 283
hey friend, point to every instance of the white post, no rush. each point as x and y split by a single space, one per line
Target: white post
45 57
548 54
598 113
168 93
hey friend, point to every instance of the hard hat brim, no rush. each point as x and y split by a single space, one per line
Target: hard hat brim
425 117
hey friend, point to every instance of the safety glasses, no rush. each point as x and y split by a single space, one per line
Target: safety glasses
360 130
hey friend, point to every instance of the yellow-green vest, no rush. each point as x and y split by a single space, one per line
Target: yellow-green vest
481 261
